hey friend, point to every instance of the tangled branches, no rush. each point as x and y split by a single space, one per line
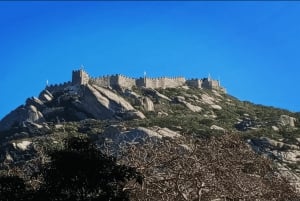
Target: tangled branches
219 168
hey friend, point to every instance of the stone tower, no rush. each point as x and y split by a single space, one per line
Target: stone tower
80 77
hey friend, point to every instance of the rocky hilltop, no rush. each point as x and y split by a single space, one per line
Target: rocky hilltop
97 98
189 139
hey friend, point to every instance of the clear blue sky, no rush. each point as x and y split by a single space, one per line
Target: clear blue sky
252 46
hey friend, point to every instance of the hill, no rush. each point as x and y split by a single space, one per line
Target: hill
190 142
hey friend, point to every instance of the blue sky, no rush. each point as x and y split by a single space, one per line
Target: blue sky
253 47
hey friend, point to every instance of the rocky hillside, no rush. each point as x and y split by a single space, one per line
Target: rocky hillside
188 143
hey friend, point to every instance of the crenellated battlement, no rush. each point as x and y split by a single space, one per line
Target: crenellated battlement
80 77
162 82
58 87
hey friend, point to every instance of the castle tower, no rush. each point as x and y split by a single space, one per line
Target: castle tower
80 77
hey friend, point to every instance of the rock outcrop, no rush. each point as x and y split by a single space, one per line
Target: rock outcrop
102 103
147 104
284 154
193 108
22 145
45 96
27 113
214 127
74 103
115 135
155 94
286 120
246 124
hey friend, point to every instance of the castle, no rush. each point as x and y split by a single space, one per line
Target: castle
80 77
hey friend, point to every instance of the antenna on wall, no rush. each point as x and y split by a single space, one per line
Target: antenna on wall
81 67
145 74
47 83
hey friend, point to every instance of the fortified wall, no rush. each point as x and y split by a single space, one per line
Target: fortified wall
58 87
206 83
114 81
163 82
80 77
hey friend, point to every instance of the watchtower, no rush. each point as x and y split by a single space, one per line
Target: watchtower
80 77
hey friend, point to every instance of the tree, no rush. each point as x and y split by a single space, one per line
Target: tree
77 172
81 172
12 188
217 168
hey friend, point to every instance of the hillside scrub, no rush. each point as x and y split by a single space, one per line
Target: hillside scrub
219 168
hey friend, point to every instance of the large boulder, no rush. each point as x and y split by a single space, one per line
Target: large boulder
214 127
36 103
24 145
154 93
181 100
102 103
147 104
28 113
34 115
115 135
286 156
45 96
285 120
246 124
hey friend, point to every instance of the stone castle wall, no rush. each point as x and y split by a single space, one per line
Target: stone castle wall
114 81
214 84
81 77
194 83
58 87
101 81
163 82
125 82
208 83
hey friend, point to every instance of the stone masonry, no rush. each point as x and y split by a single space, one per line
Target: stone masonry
80 77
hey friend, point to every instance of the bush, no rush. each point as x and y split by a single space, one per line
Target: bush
12 188
77 172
